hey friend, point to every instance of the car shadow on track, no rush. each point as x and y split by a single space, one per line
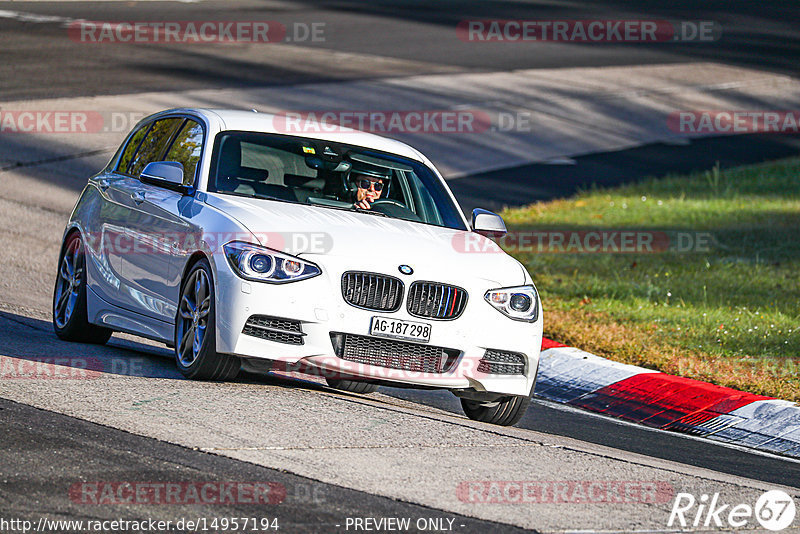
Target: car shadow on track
30 349
439 399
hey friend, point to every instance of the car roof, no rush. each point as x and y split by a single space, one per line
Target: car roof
253 121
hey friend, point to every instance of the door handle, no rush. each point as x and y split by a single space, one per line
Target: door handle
138 196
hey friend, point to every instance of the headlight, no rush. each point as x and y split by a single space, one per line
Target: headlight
261 264
520 303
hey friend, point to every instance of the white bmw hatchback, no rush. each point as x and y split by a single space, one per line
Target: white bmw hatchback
341 253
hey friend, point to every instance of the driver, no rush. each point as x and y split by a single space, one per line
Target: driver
370 182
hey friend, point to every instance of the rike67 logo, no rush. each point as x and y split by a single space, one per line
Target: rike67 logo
774 510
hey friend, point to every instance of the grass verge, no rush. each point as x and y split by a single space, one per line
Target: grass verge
710 290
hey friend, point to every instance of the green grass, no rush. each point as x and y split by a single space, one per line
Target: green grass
729 314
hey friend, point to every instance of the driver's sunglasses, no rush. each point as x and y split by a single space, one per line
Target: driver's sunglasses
365 184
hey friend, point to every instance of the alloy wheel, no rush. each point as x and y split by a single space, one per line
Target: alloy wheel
194 308
70 277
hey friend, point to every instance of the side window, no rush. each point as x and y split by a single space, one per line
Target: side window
154 144
186 150
130 149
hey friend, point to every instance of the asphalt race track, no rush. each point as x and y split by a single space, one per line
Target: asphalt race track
50 446
417 35
328 457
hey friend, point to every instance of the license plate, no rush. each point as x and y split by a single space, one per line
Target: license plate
400 329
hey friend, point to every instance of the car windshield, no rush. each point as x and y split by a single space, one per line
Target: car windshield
330 175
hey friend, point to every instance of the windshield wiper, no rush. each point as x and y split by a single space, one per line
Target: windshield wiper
256 196
267 197
358 210
368 212
348 208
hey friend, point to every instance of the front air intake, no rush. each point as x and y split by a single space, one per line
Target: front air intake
274 329
393 354
501 362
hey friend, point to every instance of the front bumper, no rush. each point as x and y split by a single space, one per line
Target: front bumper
317 304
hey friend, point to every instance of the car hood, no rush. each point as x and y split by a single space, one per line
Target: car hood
355 240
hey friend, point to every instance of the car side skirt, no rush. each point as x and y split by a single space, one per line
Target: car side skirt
118 319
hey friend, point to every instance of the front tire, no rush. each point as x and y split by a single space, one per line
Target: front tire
505 411
70 315
195 329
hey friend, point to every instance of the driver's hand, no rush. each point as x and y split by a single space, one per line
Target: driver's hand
363 204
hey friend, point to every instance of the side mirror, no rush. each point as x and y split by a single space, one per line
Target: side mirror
167 174
487 223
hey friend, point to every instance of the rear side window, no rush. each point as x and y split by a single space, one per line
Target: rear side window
154 145
130 148
186 150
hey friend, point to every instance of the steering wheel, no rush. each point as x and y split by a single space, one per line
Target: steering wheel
393 208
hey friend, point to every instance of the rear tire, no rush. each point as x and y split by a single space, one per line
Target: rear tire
505 411
70 315
195 329
352 386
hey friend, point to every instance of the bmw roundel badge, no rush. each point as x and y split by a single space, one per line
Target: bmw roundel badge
405 269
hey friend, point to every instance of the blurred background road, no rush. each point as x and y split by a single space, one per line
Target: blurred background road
585 113
362 40
560 100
